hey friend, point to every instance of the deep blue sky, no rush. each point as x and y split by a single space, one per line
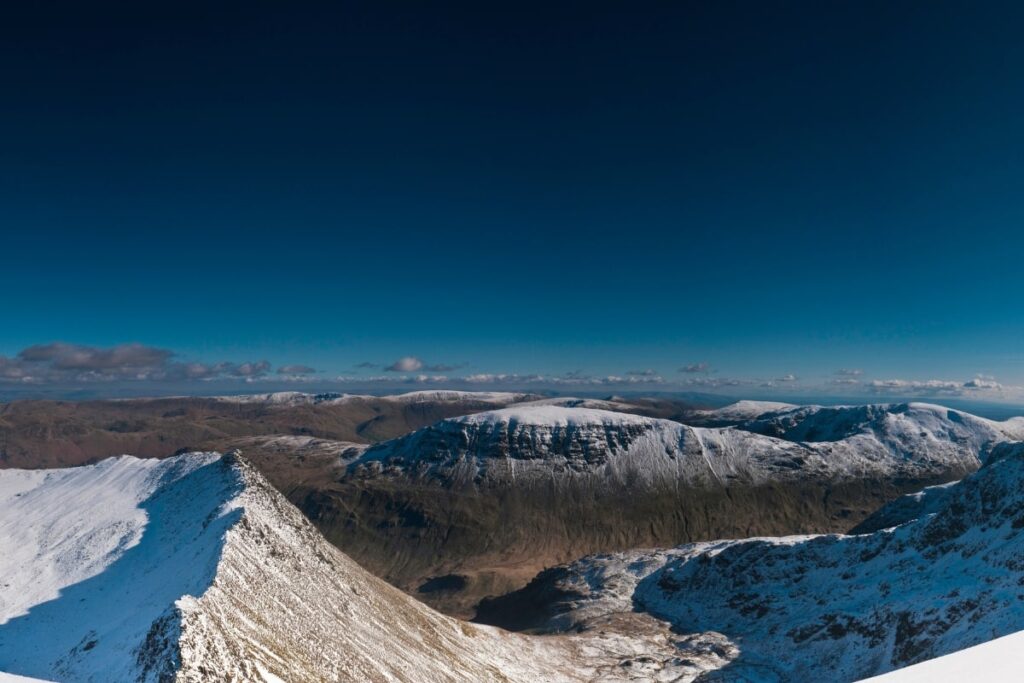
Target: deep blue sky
767 188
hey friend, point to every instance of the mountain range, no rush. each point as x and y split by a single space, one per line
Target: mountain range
475 505
530 514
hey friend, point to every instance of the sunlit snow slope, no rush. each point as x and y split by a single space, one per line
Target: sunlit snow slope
195 569
997 661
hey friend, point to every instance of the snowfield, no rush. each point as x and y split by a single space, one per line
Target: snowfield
195 569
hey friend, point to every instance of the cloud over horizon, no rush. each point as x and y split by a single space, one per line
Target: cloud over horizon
694 368
63 363
296 370
413 364
60 368
972 387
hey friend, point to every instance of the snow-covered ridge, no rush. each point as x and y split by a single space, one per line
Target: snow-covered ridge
291 445
532 441
195 569
549 416
611 403
837 608
744 410
44 549
834 423
92 556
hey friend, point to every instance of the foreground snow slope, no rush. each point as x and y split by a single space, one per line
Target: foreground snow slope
534 442
997 661
836 608
195 569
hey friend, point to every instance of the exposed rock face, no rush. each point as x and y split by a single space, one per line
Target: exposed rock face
476 505
825 607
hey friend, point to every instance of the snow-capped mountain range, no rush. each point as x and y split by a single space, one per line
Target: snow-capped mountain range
194 569
483 502
832 607
532 443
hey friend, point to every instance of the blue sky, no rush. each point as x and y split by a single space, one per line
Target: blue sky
567 192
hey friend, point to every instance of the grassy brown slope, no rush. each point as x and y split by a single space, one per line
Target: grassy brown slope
43 434
453 547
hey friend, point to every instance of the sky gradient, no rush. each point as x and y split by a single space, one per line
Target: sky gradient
553 194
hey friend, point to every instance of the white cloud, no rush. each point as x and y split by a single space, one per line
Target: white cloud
715 382
694 368
567 379
976 386
981 382
405 364
63 364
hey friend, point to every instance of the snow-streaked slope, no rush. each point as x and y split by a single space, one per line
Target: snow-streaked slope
894 424
300 446
612 403
741 411
837 608
92 556
907 508
195 569
533 442
61 527
997 661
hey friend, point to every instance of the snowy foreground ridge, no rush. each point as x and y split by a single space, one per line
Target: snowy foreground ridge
195 569
997 661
